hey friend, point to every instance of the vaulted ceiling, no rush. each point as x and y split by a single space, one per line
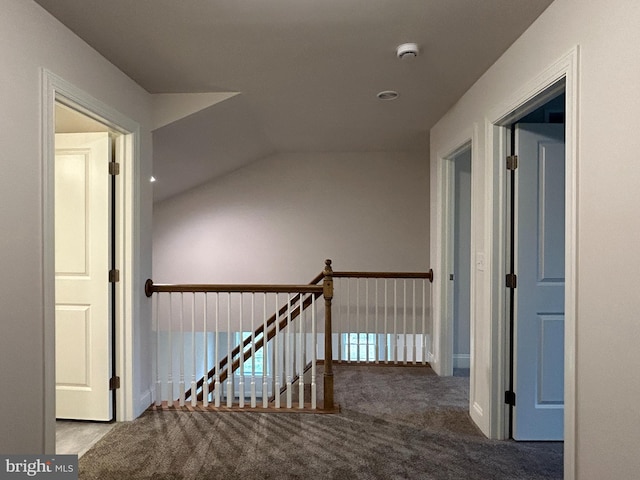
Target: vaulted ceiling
307 71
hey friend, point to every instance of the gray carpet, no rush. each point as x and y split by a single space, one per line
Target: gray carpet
396 422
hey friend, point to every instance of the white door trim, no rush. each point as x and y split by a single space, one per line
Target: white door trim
442 350
528 98
55 89
442 360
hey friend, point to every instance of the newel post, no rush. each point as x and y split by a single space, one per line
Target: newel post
328 340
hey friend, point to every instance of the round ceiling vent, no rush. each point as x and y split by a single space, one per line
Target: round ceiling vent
388 95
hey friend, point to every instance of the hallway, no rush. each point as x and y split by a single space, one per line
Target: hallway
395 422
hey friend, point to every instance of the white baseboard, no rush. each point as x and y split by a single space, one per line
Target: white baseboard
145 400
461 360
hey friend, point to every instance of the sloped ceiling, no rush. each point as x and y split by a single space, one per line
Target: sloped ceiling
307 71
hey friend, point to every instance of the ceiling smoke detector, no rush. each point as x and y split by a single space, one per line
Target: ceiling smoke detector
407 51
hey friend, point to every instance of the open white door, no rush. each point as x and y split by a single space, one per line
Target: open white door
539 319
83 324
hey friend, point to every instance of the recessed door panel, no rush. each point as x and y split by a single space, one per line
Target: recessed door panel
73 365
551 212
550 388
71 229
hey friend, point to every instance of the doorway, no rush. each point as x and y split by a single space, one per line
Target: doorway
535 280
125 249
457 243
460 276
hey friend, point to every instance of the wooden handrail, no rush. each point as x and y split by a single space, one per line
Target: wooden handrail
426 275
312 287
151 288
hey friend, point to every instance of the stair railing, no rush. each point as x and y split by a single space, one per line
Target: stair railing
383 317
280 344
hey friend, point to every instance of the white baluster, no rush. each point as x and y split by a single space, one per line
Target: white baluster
395 321
386 323
366 316
348 335
314 336
288 361
276 357
194 396
424 322
339 304
253 351
229 357
217 387
377 354
301 364
404 325
181 382
241 353
415 350
358 329
205 342
265 356
158 351
170 376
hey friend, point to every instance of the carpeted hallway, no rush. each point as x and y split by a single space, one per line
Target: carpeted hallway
395 422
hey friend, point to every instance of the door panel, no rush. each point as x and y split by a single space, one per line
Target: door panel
539 296
83 322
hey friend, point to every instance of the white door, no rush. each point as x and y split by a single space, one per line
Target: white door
83 362
539 320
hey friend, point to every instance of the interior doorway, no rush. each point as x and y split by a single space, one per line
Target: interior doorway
125 249
456 261
460 276
536 272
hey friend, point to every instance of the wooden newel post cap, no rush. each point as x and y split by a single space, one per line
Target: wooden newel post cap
328 280
327 266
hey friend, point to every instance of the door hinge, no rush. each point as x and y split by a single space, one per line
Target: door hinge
114 383
114 168
512 280
510 398
114 276
512 162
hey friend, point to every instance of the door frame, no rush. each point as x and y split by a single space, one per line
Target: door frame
441 357
563 74
57 90
448 252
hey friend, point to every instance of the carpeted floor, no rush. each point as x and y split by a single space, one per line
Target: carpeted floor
395 422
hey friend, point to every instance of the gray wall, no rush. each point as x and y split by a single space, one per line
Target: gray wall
606 432
31 40
277 219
